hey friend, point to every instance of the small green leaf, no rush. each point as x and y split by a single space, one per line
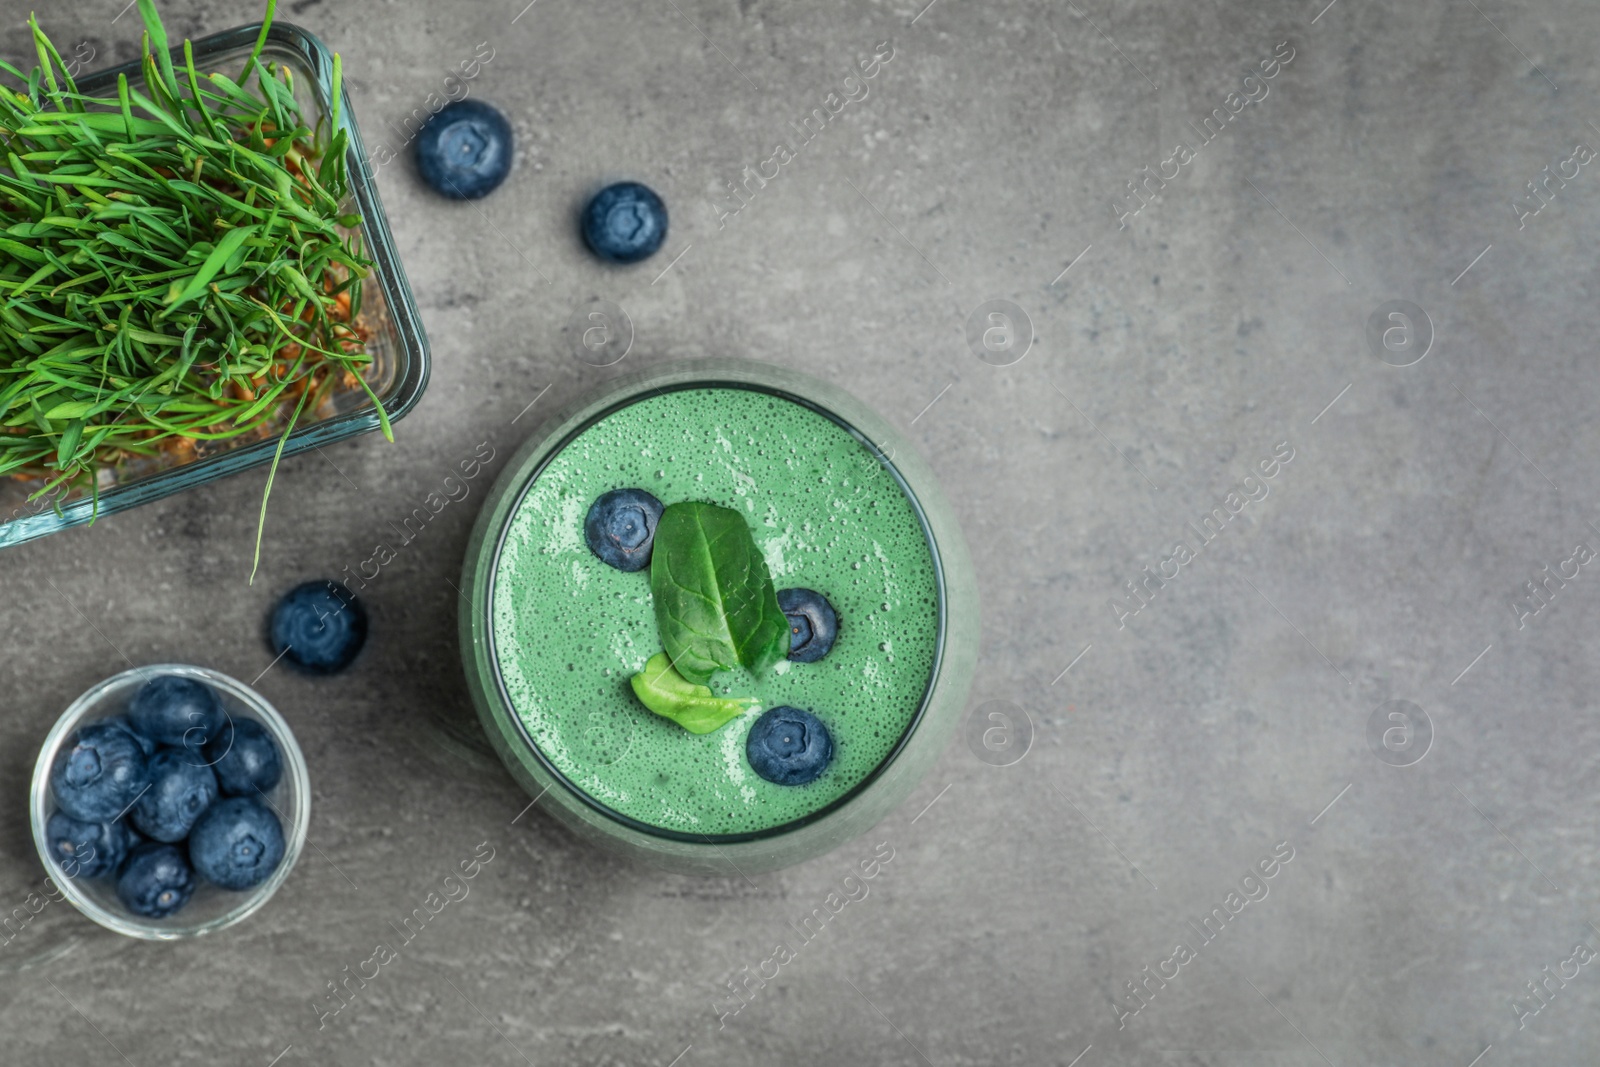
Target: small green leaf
69 443
272 472
159 45
225 248
714 599
70 409
297 281
21 251
693 707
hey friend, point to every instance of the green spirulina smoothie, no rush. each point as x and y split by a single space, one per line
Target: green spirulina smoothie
569 630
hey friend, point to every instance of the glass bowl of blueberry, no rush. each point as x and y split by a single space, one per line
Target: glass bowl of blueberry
169 801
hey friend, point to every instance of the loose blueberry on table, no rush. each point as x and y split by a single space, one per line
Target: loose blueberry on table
156 881
102 772
180 789
245 759
86 849
621 528
175 710
464 151
237 843
789 746
813 624
625 223
318 627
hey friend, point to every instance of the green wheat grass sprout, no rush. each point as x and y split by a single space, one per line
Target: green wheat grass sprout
176 265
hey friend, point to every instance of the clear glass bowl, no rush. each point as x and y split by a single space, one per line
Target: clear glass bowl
857 811
211 908
399 370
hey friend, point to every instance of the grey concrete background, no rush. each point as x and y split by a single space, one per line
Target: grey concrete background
1183 745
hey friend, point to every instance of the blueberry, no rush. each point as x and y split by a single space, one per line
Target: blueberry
156 881
174 710
245 759
180 789
464 151
86 849
318 627
97 776
788 746
237 843
625 223
145 744
621 527
813 624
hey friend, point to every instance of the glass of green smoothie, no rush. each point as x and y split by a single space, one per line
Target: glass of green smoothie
835 502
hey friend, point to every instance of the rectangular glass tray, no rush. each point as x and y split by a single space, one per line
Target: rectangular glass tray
399 348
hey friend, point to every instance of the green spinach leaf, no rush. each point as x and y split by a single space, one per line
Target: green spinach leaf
715 603
693 707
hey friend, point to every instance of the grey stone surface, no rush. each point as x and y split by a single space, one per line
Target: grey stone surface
1185 743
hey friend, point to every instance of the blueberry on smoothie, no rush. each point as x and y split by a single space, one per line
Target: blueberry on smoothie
99 774
180 789
174 710
86 849
464 151
788 746
318 627
237 843
156 881
621 527
813 624
245 759
625 223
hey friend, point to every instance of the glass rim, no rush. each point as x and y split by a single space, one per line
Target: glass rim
508 708
296 777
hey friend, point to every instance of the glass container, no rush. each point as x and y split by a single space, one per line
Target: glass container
399 370
856 811
211 908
